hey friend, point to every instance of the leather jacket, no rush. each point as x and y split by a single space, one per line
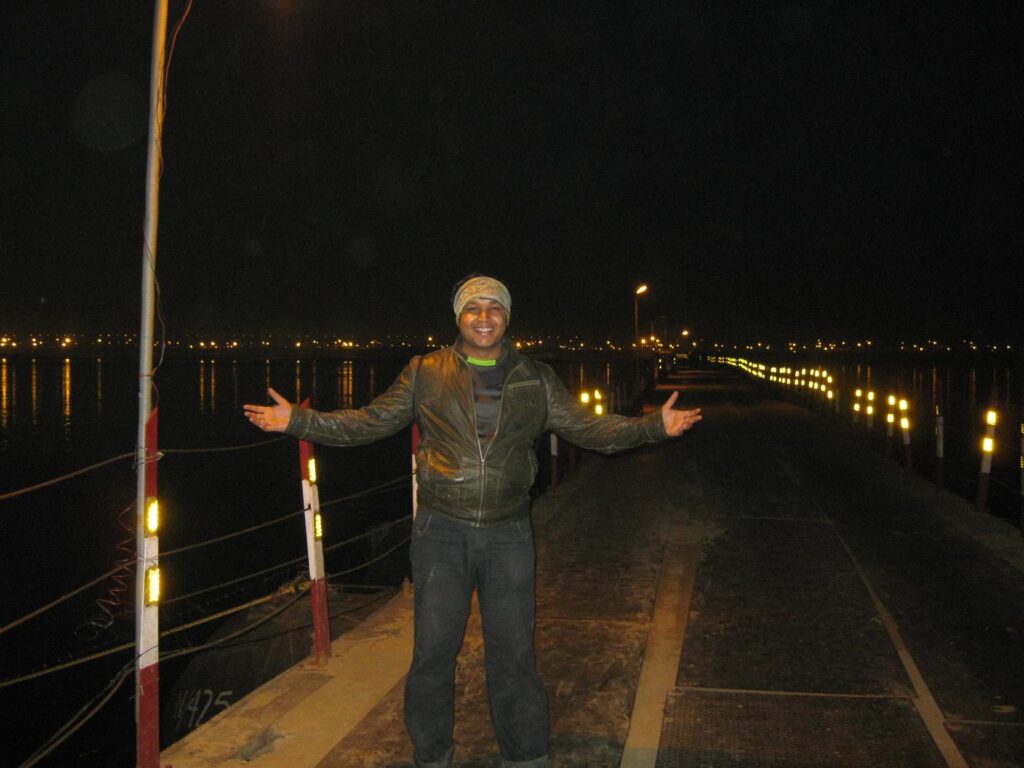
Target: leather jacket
457 477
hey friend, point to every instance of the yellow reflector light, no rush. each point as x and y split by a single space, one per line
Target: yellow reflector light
871 396
584 397
904 423
871 410
597 394
311 466
152 515
318 526
856 407
831 394
890 418
857 393
599 409
153 585
903 405
988 445
991 417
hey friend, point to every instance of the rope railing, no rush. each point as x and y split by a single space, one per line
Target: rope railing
301 591
385 486
121 457
65 597
68 476
126 566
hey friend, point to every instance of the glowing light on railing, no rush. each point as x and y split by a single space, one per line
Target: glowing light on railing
871 410
890 418
152 515
892 400
903 405
599 409
585 398
991 417
904 423
988 445
153 585
311 467
859 393
318 526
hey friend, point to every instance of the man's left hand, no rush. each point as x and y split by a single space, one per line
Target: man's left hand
677 422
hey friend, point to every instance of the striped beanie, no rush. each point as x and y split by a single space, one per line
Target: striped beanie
482 287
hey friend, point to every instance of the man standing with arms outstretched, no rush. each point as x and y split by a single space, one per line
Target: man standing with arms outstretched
481 407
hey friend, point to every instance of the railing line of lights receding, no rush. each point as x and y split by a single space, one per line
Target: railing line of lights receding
817 380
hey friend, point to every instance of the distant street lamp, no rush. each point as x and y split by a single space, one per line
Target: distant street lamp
640 290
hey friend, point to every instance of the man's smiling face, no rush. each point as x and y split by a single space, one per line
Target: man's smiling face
482 326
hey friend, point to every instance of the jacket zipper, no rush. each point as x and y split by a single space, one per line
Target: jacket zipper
476 433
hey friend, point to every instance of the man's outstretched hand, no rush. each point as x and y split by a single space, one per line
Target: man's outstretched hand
676 422
270 418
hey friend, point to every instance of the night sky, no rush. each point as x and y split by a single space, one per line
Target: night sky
787 168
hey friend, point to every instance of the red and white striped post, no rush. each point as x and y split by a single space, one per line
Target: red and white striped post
988 447
940 436
147 621
553 485
415 482
905 431
315 550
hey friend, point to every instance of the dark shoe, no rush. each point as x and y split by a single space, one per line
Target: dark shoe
445 761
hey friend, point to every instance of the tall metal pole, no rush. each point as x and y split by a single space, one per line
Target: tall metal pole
147 634
636 319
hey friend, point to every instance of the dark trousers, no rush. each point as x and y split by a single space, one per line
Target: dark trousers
449 558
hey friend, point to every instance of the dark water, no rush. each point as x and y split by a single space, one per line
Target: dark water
59 415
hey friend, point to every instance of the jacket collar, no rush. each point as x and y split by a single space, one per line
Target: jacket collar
509 355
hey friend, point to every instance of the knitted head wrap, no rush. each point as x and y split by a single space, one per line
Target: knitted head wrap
482 287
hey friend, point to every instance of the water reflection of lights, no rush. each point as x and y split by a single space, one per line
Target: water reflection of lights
34 392
4 403
345 388
213 385
65 391
99 385
202 386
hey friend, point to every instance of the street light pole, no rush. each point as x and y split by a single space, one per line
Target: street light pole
640 290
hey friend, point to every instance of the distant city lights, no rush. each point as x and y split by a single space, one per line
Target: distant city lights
575 343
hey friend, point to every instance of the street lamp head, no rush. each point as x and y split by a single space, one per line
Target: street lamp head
641 289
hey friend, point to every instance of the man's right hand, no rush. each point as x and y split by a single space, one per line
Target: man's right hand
270 418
